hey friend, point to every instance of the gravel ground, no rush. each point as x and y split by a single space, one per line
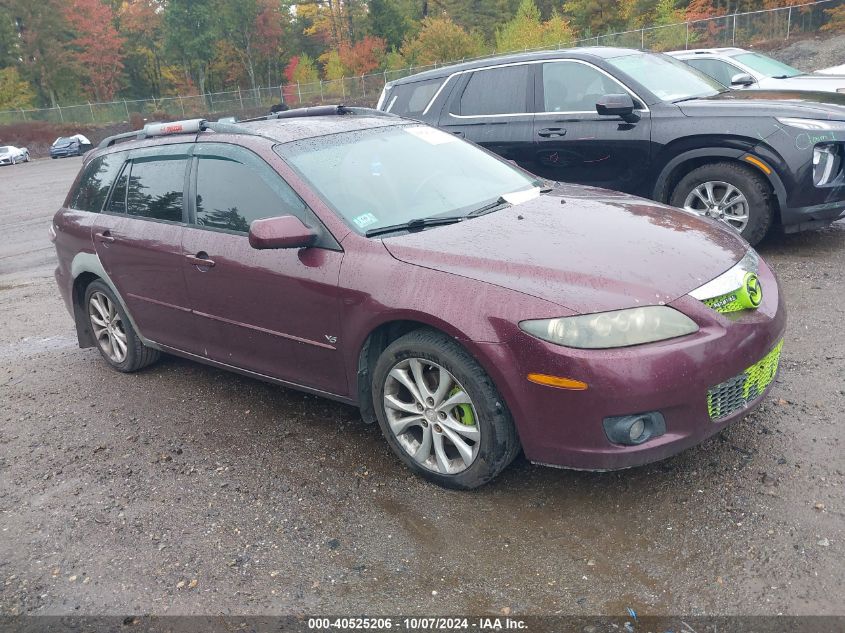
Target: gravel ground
185 489
813 54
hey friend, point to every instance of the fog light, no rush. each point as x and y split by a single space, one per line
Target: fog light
631 430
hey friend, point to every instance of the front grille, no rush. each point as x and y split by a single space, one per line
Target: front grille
735 394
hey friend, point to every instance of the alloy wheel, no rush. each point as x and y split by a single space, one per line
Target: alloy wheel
108 327
721 201
431 416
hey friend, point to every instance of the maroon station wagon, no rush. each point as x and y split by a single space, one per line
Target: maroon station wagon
468 307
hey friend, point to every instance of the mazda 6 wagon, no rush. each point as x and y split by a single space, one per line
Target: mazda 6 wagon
469 308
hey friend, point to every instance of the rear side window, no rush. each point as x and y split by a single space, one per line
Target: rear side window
716 68
412 99
231 194
93 187
496 91
154 188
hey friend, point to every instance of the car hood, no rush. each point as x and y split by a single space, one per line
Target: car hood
807 82
586 249
66 143
756 103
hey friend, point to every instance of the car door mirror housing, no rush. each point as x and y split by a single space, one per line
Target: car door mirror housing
621 105
285 231
742 79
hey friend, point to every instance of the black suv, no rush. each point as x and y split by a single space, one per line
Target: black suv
646 124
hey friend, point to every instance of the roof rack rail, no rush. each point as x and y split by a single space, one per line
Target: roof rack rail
190 126
321 110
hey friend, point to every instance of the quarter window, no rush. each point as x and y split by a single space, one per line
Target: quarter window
93 188
411 99
155 188
574 87
496 91
231 194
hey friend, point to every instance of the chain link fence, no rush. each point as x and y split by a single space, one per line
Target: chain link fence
739 29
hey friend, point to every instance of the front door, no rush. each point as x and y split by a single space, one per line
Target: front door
273 312
492 107
573 143
138 238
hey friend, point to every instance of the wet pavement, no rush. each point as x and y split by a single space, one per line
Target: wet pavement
186 489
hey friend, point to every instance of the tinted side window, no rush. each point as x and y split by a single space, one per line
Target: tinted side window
231 194
411 99
117 202
496 91
155 188
93 188
574 87
719 70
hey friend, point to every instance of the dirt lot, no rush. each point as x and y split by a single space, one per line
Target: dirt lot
185 489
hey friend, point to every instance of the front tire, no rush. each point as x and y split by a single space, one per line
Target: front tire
731 193
114 335
441 413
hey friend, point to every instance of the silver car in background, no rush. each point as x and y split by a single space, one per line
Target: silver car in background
11 155
739 68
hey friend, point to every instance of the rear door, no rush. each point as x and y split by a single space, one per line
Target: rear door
493 107
138 239
274 312
572 143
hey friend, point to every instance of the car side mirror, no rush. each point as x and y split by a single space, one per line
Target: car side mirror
742 79
285 231
621 105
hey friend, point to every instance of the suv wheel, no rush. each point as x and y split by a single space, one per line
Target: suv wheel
731 193
440 412
116 339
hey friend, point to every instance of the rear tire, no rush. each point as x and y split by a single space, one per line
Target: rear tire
730 184
115 338
462 435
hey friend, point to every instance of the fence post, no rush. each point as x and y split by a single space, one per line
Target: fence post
61 116
299 93
210 102
343 88
363 87
686 44
321 91
240 98
642 38
181 105
733 35
90 107
788 21
126 107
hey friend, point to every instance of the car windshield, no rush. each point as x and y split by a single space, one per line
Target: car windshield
766 65
380 177
668 78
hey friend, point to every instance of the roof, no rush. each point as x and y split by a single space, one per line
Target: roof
296 129
585 53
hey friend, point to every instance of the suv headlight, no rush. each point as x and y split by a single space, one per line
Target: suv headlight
812 124
619 328
826 163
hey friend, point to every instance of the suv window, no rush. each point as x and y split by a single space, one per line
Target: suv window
485 93
155 188
716 68
575 87
234 188
93 188
411 99
117 202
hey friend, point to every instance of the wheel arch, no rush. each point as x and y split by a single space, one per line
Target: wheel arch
683 163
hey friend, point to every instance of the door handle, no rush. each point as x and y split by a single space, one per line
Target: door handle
104 237
461 134
546 132
200 260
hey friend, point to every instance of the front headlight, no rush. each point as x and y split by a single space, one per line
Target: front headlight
620 328
826 163
812 124
731 279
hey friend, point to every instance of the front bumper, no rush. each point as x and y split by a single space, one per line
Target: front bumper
564 428
64 152
812 217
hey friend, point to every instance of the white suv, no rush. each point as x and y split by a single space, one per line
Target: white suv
738 68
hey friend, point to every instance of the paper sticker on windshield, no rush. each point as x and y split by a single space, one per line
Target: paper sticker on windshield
365 220
431 135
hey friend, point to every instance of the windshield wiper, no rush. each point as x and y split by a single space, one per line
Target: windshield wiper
487 208
417 224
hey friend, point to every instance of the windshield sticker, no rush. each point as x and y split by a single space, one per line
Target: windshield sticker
431 135
365 220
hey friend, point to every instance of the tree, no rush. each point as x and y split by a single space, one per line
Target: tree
835 19
387 21
527 31
191 28
96 48
140 24
671 37
441 40
15 92
592 17
363 56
